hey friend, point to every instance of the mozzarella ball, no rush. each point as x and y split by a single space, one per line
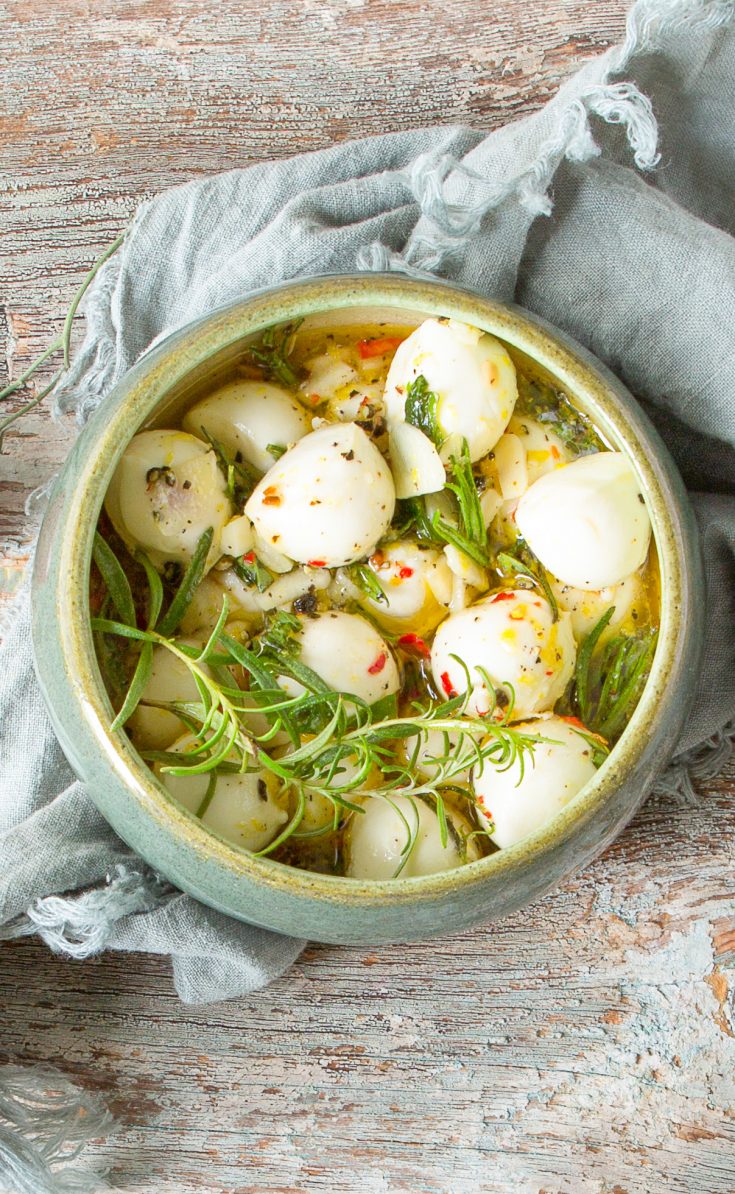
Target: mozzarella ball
587 523
470 372
170 680
375 840
544 450
165 492
349 654
586 606
513 638
248 417
205 607
327 501
513 804
416 582
247 808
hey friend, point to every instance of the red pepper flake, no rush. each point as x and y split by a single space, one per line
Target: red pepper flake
447 684
379 664
405 573
555 452
414 643
550 673
573 721
317 563
376 348
505 596
249 557
271 496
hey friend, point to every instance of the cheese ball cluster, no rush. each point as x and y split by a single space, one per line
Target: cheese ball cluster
375 493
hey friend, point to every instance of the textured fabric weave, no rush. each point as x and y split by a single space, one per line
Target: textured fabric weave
579 212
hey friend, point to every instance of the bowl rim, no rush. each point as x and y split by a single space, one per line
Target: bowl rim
143 389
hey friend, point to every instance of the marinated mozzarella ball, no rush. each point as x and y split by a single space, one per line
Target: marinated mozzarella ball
510 638
516 802
170 680
376 840
416 583
327 501
544 450
472 376
349 655
249 417
586 606
247 808
587 522
165 492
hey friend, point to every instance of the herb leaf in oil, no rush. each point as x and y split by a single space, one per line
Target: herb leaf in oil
610 677
421 409
272 354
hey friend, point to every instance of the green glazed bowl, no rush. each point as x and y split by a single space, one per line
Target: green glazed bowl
266 893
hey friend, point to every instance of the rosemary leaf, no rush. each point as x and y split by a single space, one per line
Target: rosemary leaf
189 584
116 582
141 676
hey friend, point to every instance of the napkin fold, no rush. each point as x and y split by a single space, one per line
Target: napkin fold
585 212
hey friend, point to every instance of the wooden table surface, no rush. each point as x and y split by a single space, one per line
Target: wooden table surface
585 1045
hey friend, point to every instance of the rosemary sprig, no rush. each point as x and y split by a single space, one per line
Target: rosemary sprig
188 586
522 562
609 680
469 535
272 354
351 739
61 343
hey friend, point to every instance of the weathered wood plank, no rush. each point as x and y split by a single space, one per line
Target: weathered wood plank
587 1046
583 1046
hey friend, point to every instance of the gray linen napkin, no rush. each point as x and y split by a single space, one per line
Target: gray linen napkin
639 268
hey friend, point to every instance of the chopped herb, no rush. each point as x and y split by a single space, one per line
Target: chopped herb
240 477
553 409
276 450
279 635
521 561
272 353
421 405
364 577
252 573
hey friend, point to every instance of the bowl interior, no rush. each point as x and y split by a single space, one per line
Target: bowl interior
196 358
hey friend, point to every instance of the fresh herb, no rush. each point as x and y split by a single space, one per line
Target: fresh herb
61 343
280 634
276 450
115 578
610 678
252 573
272 355
363 576
188 586
353 739
421 409
521 561
241 478
468 534
553 409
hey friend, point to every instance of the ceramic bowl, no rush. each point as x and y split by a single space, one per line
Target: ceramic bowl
266 893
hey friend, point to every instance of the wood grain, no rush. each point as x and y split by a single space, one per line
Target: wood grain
584 1046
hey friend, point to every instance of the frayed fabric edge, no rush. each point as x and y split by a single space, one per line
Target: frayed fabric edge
81 925
697 765
650 24
46 1121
